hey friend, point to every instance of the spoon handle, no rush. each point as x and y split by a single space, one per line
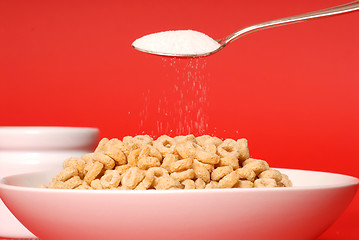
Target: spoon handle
345 8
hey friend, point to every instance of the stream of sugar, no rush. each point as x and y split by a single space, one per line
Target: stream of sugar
182 108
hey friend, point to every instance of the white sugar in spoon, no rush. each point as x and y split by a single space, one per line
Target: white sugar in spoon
188 43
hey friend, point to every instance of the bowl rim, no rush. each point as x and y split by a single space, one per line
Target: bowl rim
352 181
44 129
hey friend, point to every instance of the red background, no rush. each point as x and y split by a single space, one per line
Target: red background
291 91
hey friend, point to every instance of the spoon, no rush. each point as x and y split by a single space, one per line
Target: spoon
341 9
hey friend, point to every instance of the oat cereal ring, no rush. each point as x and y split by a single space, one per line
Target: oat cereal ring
66 174
187 149
84 186
210 148
132 177
165 144
150 151
207 157
181 176
214 140
133 157
74 161
88 165
107 161
77 163
246 174
255 165
114 149
101 145
143 139
181 165
189 184
93 171
197 163
228 147
118 144
111 179
122 169
141 186
137 141
211 185
229 180
158 171
243 149
127 140
167 182
243 184
229 161
208 140
285 182
131 144
73 182
187 138
87 157
145 163
271 173
122 187
57 185
201 140
168 160
144 185
220 172
264 183
123 147
250 160
147 181
200 184
96 184
202 173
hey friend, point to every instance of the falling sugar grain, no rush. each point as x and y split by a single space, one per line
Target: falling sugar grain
182 107
187 112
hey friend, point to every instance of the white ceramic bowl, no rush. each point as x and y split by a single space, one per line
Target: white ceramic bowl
29 149
300 212
47 138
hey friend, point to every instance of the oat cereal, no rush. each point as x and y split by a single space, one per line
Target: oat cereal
167 163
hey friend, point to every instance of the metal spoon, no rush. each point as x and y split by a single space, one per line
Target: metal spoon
341 9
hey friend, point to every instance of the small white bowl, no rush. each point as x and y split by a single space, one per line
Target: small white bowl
47 138
30 149
300 212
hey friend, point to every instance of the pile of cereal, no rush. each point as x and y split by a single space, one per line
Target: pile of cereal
182 162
